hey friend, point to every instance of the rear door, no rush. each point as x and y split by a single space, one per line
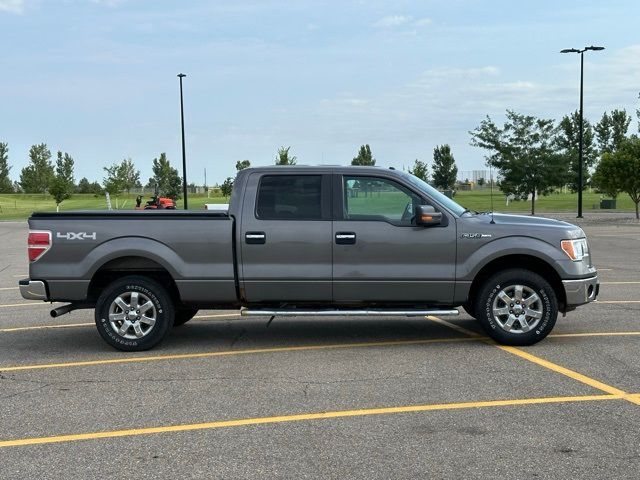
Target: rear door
379 254
285 238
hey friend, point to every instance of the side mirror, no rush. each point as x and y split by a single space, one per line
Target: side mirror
426 216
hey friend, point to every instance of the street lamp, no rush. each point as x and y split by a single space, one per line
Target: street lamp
580 160
184 157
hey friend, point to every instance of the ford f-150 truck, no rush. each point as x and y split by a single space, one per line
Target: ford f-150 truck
313 241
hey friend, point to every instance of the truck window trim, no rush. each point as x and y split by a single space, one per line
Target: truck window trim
339 206
325 197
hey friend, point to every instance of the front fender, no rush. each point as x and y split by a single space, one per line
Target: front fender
470 265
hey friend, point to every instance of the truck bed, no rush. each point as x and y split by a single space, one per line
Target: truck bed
195 248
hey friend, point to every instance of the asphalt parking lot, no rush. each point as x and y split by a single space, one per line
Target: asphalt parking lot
225 397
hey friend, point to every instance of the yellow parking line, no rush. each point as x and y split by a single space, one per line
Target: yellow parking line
299 418
545 363
33 304
620 283
617 301
226 353
594 334
88 324
45 327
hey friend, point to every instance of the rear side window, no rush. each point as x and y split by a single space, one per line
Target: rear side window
290 197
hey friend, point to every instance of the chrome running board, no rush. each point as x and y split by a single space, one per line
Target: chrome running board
245 312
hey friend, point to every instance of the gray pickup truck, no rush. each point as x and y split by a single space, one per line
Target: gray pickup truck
313 241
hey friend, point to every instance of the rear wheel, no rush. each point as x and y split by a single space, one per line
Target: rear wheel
183 315
516 307
134 313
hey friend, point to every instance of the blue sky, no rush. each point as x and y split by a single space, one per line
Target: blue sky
97 78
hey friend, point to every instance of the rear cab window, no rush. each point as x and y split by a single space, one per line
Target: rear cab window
292 197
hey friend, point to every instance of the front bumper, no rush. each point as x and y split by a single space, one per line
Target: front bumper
579 292
33 289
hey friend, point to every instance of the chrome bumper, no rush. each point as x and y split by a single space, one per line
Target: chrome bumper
579 292
33 289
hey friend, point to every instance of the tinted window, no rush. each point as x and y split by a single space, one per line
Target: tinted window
370 198
289 197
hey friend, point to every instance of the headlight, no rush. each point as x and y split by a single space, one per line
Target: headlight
576 250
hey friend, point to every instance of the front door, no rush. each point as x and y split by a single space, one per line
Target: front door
285 238
379 254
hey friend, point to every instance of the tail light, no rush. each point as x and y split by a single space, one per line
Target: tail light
39 241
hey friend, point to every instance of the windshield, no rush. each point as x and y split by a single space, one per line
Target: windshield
433 193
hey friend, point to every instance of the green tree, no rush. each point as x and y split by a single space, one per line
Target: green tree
444 168
165 178
365 157
112 183
35 177
62 184
619 171
481 181
6 186
227 187
85 186
524 152
612 129
128 175
568 144
283 157
420 170
242 164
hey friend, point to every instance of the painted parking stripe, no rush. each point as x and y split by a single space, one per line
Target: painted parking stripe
299 418
544 363
92 324
33 304
616 301
226 353
9 288
272 349
621 283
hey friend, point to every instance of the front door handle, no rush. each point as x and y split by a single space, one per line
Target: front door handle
255 238
345 238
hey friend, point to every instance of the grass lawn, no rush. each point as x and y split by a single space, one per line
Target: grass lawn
20 206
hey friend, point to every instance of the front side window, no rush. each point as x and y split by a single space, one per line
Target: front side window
289 197
378 199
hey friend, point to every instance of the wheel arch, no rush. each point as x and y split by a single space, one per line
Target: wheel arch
525 261
126 265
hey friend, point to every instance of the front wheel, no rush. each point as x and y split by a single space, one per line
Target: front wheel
134 313
516 307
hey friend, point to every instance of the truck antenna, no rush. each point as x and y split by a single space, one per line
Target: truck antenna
491 187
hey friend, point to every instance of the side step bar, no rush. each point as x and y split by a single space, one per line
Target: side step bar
245 312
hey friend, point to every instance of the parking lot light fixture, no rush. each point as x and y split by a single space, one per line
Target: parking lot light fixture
580 159
184 157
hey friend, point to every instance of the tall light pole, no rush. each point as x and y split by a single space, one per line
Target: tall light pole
580 159
184 156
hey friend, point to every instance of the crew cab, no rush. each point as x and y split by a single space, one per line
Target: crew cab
313 241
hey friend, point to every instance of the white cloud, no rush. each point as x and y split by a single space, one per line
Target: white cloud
12 6
392 21
108 3
422 22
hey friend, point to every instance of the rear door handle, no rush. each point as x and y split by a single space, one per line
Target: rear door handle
345 238
255 238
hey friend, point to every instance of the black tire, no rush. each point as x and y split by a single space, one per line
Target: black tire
143 289
535 329
183 315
